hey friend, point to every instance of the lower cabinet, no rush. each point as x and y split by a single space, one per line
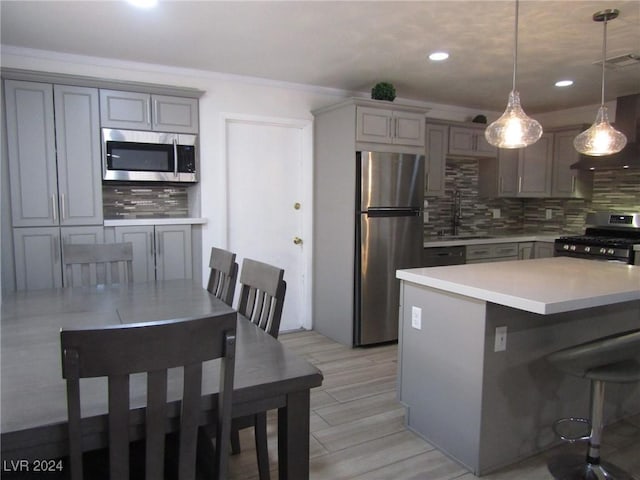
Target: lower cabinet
492 252
38 253
160 252
543 249
526 250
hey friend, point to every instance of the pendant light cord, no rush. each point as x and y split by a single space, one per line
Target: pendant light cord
515 50
604 56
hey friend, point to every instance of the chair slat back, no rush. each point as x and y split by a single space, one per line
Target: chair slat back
223 274
99 264
119 351
262 294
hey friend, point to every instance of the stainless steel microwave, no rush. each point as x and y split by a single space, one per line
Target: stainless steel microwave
132 155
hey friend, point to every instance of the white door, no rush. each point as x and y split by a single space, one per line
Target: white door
268 207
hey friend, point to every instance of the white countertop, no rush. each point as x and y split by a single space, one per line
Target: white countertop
452 242
155 221
545 285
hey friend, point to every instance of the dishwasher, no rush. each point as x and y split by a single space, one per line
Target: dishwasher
441 256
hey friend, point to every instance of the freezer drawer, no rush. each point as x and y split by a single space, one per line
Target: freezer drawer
387 243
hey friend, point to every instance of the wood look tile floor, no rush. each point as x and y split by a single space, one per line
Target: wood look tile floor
358 433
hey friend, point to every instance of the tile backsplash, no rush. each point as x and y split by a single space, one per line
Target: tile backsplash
614 190
125 201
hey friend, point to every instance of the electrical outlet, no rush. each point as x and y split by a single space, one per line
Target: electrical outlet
416 318
548 213
496 213
500 344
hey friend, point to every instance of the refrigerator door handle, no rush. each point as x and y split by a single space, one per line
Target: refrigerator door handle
393 212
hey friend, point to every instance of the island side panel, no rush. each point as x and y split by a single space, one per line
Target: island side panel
441 369
523 394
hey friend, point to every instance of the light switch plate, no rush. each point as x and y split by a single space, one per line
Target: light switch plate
500 344
416 318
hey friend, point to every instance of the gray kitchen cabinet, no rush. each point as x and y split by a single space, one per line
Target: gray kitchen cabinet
143 111
470 142
38 253
522 172
494 252
498 177
543 249
78 154
534 168
567 182
526 250
160 252
437 140
32 153
382 125
54 154
38 262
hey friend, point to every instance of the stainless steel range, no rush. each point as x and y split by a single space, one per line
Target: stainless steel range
610 236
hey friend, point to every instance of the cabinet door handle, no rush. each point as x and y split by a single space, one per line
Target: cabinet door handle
426 182
152 245
501 185
54 209
63 214
56 249
396 128
155 112
519 184
573 184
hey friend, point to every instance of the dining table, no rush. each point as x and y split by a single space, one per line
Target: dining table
33 408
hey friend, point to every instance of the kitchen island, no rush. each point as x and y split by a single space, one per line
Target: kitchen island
488 399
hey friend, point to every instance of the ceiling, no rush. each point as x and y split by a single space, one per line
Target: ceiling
351 45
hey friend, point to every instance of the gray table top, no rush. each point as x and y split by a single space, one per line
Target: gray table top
33 398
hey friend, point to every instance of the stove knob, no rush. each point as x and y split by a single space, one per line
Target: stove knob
572 248
611 251
587 249
565 247
603 250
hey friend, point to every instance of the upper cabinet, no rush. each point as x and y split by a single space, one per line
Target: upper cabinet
143 111
389 126
534 168
470 142
539 170
567 182
54 154
437 141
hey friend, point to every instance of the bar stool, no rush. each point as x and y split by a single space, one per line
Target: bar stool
615 358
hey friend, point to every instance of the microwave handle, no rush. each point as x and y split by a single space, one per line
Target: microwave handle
175 157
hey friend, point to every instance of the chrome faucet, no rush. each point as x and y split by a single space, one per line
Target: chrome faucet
456 212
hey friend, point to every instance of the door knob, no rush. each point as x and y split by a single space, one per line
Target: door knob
297 240
297 205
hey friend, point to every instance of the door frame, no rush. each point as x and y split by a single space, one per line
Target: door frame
306 127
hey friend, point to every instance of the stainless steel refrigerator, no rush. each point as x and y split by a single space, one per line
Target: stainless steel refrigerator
389 236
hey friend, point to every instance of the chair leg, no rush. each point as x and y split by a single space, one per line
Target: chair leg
235 439
262 451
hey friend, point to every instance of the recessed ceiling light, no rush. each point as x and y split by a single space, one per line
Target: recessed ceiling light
438 56
143 3
564 83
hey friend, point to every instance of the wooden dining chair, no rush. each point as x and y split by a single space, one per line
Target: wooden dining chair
223 275
100 264
261 300
116 352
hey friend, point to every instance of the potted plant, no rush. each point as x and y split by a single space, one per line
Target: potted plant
383 91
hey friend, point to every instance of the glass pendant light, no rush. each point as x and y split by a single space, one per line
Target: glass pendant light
601 138
514 129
